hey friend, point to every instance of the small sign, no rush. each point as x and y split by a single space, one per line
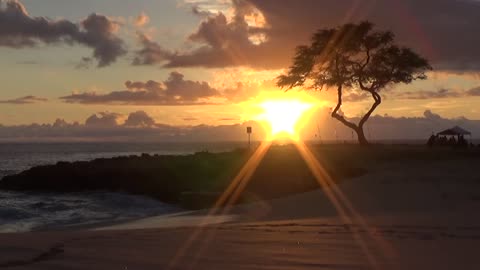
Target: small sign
249 130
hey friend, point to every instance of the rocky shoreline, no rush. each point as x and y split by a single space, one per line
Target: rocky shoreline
194 181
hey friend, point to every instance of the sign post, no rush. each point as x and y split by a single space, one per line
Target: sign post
249 132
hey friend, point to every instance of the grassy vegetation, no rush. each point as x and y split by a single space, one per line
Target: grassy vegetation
161 177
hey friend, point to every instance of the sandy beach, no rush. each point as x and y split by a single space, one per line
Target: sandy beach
416 215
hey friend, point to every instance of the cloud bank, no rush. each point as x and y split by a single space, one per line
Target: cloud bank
435 94
140 127
173 91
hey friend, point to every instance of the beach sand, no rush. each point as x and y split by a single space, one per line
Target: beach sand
416 215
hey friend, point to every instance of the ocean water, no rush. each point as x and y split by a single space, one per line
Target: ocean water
20 212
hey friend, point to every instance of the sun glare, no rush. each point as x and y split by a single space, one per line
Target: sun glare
284 116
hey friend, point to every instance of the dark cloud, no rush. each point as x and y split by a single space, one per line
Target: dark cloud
24 100
61 123
444 31
19 30
428 114
103 119
221 43
187 90
474 91
84 63
139 119
174 91
110 119
441 93
151 52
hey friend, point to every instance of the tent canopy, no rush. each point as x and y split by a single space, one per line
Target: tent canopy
456 131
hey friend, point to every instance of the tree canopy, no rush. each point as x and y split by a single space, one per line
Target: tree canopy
353 56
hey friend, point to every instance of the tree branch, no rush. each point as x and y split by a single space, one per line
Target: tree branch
378 100
340 117
374 86
367 61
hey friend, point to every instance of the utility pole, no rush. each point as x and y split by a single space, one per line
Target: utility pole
249 132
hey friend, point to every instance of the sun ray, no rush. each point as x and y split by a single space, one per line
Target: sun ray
223 204
242 183
321 176
343 205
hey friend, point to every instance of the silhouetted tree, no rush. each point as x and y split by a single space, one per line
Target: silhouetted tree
353 56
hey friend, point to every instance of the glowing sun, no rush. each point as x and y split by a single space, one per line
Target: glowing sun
283 116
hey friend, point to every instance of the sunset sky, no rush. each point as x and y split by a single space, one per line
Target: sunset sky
209 62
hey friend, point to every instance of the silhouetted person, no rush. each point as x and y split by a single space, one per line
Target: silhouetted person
462 142
431 140
442 140
452 141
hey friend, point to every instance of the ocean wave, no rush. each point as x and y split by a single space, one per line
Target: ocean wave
22 212
7 172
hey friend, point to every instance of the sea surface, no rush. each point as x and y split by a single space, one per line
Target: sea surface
21 212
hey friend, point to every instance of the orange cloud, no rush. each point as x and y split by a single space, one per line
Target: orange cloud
142 19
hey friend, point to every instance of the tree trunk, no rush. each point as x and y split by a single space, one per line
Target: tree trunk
362 140
358 128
